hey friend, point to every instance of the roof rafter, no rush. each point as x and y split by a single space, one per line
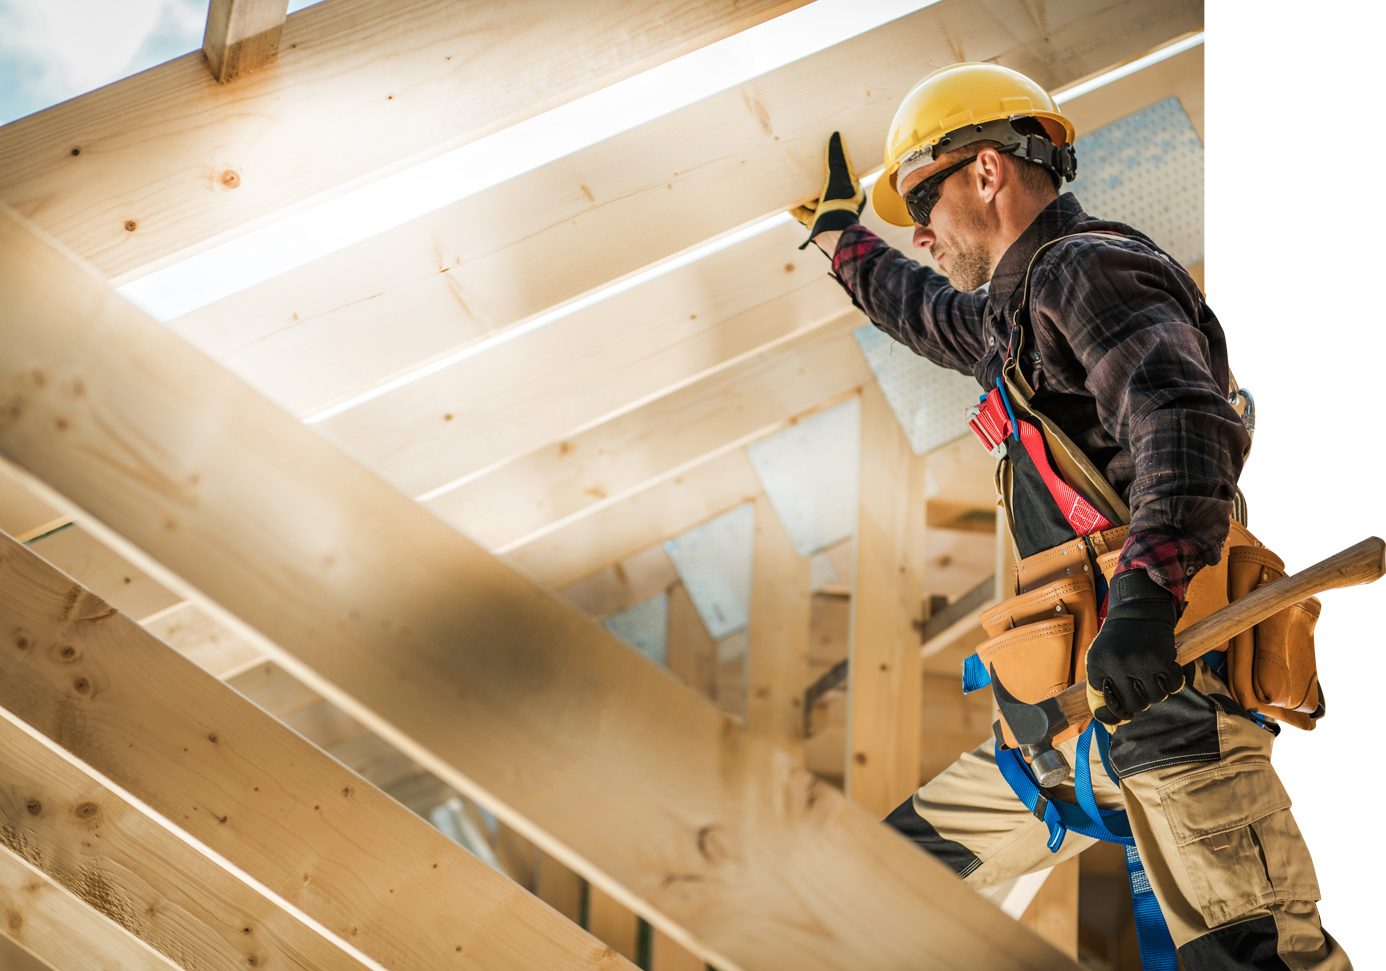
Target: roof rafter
333 563
254 792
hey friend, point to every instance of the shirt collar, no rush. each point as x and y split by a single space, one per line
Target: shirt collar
1054 220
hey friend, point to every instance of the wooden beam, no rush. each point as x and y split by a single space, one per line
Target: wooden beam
690 652
519 501
57 927
622 584
636 198
1180 76
137 173
611 922
213 647
781 622
15 958
250 789
665 509
884 676
24 515
114 578
452 657
543 386
242 35
1053 913
101 847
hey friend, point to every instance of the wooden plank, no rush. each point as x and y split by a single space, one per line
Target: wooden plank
251 790
884 676
611 922
24 515
516 502
57 927
558 886
781 621
115 579
498 688
667 955
622 584
667 508
617 206
213 647
133 870
1053 913
581 370
242 35
15 958
690 652
1180 76
183 160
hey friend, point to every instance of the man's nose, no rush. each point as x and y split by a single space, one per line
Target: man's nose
923 237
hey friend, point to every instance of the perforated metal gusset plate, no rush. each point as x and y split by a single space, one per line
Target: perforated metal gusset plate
644 627
929 401
1146 170
809 472
714 562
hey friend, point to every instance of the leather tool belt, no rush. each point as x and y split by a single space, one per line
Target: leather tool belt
1037 640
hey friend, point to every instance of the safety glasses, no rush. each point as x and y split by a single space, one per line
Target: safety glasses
920 200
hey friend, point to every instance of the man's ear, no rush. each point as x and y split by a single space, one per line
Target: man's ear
991 174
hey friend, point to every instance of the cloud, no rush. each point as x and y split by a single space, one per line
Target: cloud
52 50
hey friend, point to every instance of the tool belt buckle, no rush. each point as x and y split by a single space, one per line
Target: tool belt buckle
991 444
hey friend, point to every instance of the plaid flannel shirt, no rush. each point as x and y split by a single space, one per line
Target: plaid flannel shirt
1122 351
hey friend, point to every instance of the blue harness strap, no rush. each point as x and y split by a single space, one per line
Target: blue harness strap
1109 825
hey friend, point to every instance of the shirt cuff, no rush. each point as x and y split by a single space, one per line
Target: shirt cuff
855 242
1170 561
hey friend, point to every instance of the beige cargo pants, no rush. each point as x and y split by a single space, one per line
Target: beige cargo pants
1222 851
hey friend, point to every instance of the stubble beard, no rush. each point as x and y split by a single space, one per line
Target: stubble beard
971 268
970 261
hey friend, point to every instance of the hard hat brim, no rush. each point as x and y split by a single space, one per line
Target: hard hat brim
888 203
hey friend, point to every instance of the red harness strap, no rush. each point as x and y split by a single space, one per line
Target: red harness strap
991 422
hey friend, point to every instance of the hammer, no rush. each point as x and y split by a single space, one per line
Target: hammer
1035 725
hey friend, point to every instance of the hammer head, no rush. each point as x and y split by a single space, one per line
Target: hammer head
1034 727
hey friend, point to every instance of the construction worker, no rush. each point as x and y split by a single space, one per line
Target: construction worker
1107 383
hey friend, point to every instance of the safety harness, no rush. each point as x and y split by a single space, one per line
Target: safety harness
1009 427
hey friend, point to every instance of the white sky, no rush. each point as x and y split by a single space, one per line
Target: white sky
52 50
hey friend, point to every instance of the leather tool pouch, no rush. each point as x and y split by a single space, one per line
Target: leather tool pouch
1034 640
1271 668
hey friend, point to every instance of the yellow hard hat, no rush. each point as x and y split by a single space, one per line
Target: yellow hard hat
964 103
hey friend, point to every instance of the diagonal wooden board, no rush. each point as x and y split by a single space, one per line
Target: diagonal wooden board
501 690
139 172
52 924
202 756
486 262
127 866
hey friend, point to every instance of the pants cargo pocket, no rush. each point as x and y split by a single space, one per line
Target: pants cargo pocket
1240 846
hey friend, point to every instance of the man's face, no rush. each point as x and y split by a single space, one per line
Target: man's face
958 230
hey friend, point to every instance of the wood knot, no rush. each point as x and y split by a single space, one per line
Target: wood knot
709 846
131 225
76 150
21 640
67 652
230 179
86 810
34 807
82 686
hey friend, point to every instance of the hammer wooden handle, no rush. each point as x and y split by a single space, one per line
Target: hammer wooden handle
1362 563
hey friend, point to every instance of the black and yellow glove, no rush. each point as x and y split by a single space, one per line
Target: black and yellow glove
840 203
1131 663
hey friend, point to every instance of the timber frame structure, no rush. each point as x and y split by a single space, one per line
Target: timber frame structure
259 707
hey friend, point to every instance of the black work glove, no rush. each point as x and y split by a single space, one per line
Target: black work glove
1131 663
840 203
